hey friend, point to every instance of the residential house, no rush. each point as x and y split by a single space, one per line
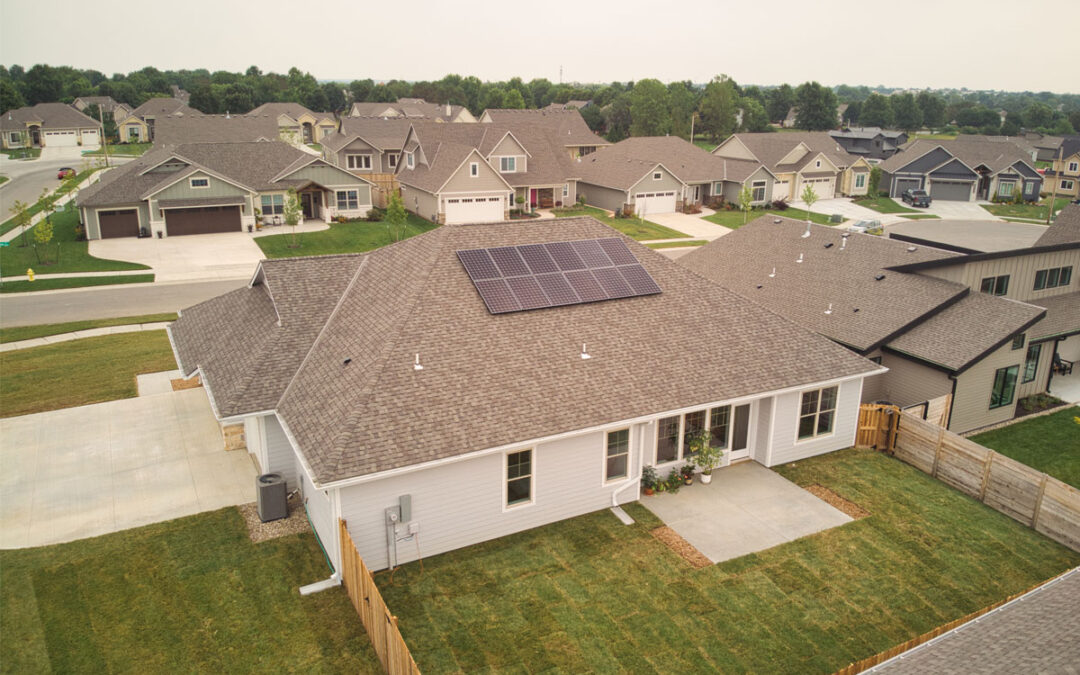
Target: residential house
1046 147
872 143
108 106
799 159
180 129
625 176
412 109
138 125
297 124
369 147
48 125
965 169
969 335
523 378
203 188
1063 177
567 126
569 105
179 94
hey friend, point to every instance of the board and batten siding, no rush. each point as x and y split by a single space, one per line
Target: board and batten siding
360 147
1021 270
909 382
182 189
667 183
971 404
487 180
733 148
423 204
785 424
280 457
331 176
463 503
602 197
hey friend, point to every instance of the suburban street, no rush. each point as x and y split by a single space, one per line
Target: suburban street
28 177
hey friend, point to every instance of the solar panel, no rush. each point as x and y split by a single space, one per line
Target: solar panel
534 276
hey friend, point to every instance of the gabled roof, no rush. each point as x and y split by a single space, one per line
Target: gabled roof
353 388
1065 230
408 108
106 103
293 110
48 116
618 173
383 134
995 155
771 148
177 129
568 126
160 107
687 161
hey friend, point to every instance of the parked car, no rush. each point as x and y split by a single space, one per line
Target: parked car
866 227
916 197
65 172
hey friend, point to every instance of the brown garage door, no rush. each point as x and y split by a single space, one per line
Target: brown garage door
202 221
118 223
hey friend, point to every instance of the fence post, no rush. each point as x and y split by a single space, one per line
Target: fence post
1038 503
937 451
986 475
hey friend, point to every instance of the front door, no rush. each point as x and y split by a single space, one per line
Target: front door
740 432
532 197
307 205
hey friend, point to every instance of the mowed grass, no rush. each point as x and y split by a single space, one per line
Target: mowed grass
189 595
734 219
1050 444
65 187
29 332
593 595
678 244
1036 211
635 228
120 150
79 372
73 282
352 237
883 205
65 253
921 216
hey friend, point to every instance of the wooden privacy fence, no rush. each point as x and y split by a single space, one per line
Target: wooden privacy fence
877 426
380 624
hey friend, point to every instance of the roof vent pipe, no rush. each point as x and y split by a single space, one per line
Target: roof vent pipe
416 363
912 249
807 233
584 352
843 241
773 273
829 310
800 258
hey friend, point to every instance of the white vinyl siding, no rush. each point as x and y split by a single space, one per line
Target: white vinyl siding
280 457
785 424
320 512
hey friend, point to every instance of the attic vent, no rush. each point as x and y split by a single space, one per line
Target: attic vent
856 310
879 277
346 362
759 286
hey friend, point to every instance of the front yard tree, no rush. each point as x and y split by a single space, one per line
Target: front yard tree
20 213
907 114
292 213
817 107
396 218
746 202
43 234
779 102
809 197
876 112
933 109
874 181
719 105
649 112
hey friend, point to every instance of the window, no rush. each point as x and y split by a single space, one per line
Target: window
1018 341
719 424
348 200
1004 387
618 454
410 160
1005 189
391 160
14 137
860 180
1031 361
1029 188
1054 277
507 164
1066 185
566 190
519 474
358 162
1073 167
273 205
694 424
995 285
817 164
757 191
657 176
817 412
667 440
474 169
200 182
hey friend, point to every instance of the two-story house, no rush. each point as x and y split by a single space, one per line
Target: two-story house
297 124
1063 178
566 126
873 143
108 106
369 147
412 109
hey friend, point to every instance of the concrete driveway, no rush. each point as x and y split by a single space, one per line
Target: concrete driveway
225 255
694 225
82 472
845 207
957 210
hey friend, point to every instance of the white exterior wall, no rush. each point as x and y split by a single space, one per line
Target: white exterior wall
255 438
280 457
321 513
785 423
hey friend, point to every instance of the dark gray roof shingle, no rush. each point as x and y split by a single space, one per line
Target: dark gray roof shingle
48 116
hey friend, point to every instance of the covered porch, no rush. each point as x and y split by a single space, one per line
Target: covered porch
542 197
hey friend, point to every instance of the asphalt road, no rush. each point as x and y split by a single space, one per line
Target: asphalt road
102 303
27 178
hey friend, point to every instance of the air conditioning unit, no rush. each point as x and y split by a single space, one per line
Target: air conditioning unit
272 497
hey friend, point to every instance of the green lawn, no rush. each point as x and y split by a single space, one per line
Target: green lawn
1050 444
707 146
922 216
635 228
678 244
191 595
78 372
734 219
351 237
22 153
935 137
73 282
29 332
592 595
1029 211
74 255
883 205
1043 165
121 150
4 179
64 188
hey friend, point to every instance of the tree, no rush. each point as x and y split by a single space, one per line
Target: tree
1074 119
719 105
238 98
809 197
42 84
681 103
779 102
754 118
978 116
593 117
851 115
746 201
10 98
617 118
45 204
396 218
649 111
1038 115
20 214
907 114
106 119
817 107
292 214
874 181
43 234
514 100
933 109
360 89
876 112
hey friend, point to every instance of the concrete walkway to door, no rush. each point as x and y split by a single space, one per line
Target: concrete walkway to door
746 508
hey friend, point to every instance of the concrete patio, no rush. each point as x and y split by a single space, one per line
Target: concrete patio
746 508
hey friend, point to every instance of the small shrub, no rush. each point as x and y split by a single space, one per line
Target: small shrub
648 478
674 481
376 215
692 209
581 199
780 205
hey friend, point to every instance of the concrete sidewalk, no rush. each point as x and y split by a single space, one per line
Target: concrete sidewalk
78 335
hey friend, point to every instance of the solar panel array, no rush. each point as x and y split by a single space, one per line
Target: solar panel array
534 276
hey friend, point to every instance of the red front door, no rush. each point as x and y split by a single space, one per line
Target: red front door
532 197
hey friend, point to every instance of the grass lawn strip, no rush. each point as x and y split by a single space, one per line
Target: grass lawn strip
591 594
734 219
351 237
921 216
43 330
1050 443
21 153
635 228
4 179
65 187
189 595
79 372
120 150
1029 211
883 205
678 244
73 282
70 254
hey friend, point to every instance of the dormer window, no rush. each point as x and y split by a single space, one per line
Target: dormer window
200 182
474 169
507 164
658 176
410 160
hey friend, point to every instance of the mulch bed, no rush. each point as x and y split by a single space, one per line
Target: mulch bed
853 510
181 384
681 547
258 531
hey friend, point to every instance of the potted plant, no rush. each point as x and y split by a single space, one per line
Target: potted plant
706 455
648 480
674 481
687 472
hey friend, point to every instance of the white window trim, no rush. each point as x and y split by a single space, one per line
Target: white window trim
566 190
658 175
817 164
1073 167
474 169
193 186
503 160
506 480
337 200
391 160
799 415
629 456
860 180
351 164
410 160
764 188
1002 188
1066 185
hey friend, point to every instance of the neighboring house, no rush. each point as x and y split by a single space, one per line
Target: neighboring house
107 105
980 328
567 126
1046 147
179 94
569 105
873 143
370 386
48 125
1064 175
624 176
965 169
179 129
412 109
138 125
202 188
369 147
297 124
798 159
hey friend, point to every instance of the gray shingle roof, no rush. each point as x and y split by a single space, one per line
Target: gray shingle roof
770 148
293 110
408 108
48 116
384 134
686 160
568 126
159 107
973 151
1062 315
1065 229
177 129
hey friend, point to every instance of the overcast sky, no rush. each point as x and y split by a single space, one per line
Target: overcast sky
978 44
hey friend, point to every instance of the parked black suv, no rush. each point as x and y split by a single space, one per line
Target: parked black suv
916 197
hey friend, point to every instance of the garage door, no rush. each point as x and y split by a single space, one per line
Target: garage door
113 224
648 203
824 188
780 191
205 220
901 184
474 210
56 139
950 190
90 138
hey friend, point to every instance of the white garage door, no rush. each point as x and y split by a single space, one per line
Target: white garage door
90 138
56 139
823 187
654 202
780 190
474 210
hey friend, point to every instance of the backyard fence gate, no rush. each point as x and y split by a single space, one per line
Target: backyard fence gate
877 427
380 624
